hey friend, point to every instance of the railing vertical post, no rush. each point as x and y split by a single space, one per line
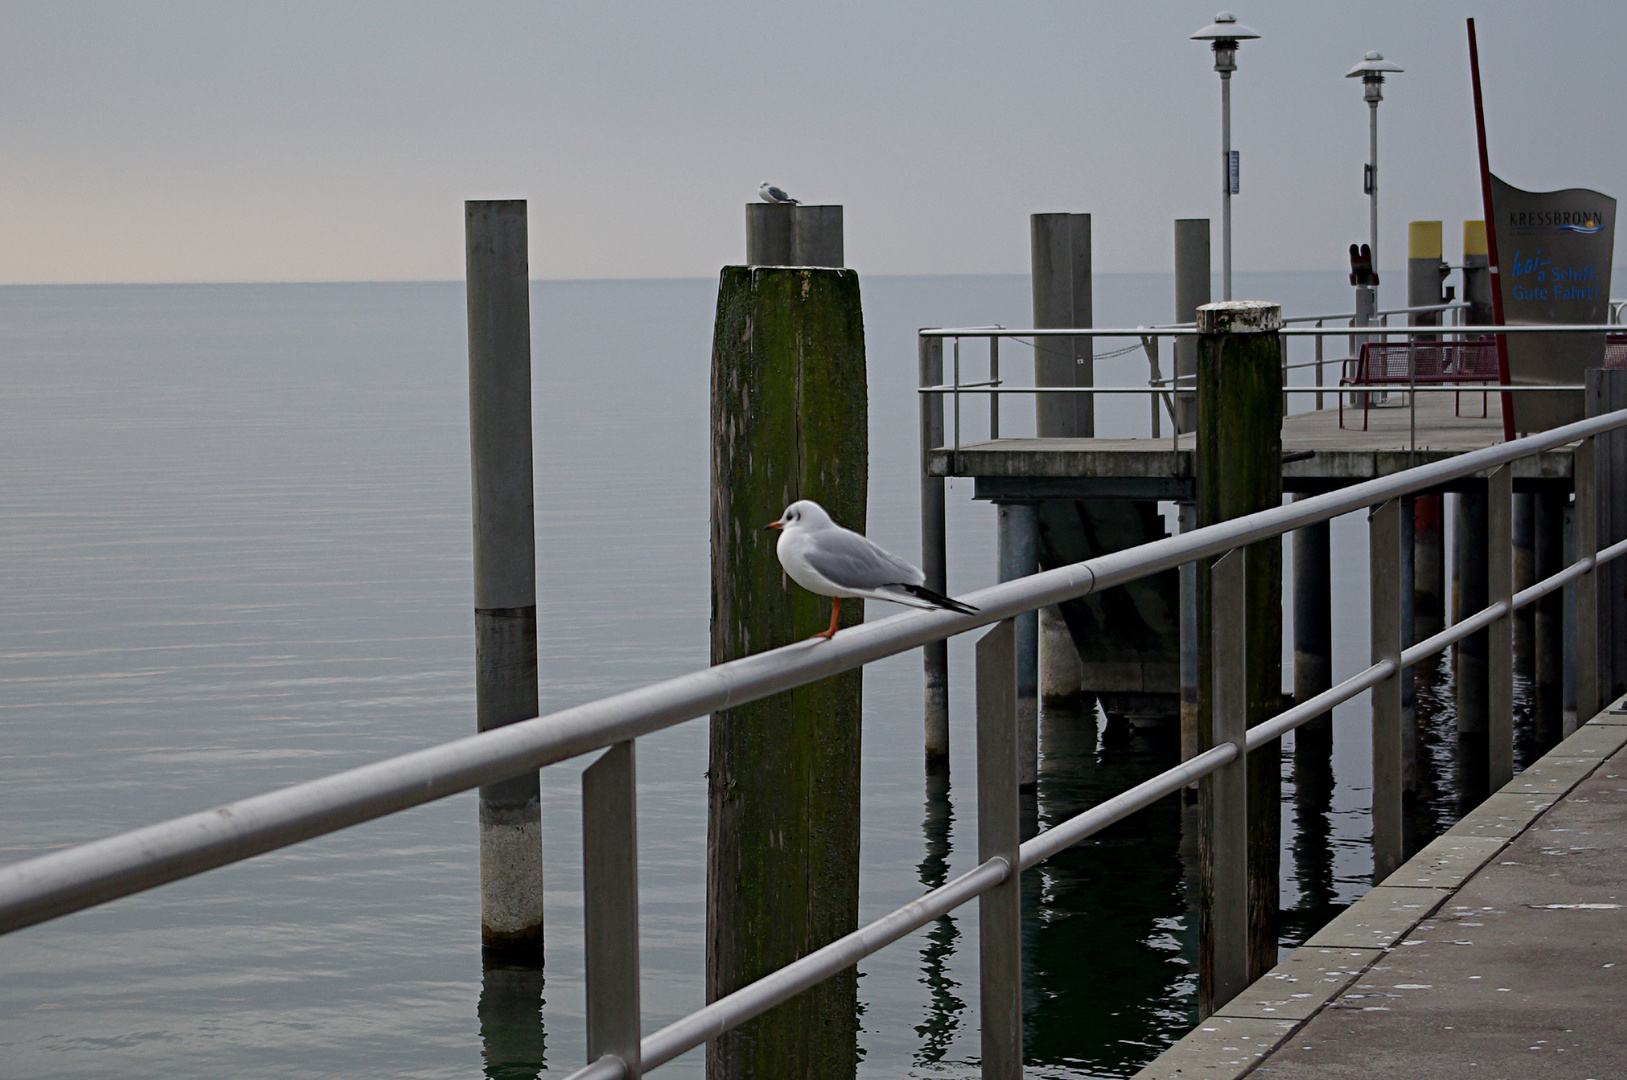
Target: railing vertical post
1226 789
1500 635
505 563
935 654
1384 561
1586 533
610 906
999 836
1018 541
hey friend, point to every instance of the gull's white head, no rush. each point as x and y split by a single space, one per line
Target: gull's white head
802 514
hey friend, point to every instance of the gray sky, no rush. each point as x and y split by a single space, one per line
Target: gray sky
322 141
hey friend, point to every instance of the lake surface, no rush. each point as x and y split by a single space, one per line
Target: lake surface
235 541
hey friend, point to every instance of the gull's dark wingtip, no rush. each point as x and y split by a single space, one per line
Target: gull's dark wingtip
948 603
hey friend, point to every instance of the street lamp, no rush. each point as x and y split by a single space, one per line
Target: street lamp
1371 71
1224 34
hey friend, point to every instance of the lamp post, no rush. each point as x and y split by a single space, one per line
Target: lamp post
1223 34
1371 71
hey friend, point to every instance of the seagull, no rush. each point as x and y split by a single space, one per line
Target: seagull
769 193
826 559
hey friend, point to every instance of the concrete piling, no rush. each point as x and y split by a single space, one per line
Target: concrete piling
1019 557
1239 456
934 552
1428 567
789 421
1548 660
505 570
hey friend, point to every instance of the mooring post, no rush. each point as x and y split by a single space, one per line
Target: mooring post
1313 639
1500 635
1548 659
1018 539
999 836
934 555
1061 285
1384 588
786 234
1428 567
1469 660
505 562
789 421
1192 282
1239 465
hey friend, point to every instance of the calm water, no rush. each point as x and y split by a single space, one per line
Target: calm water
234 533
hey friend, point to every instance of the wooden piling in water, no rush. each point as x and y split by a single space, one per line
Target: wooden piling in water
1313 639
789 421
1548 629
1239 463
505 567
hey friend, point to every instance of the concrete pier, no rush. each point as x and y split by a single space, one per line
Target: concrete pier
1492 952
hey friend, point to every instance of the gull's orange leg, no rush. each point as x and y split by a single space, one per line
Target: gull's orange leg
835 608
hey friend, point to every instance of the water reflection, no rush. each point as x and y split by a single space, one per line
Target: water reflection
1312 845
946 1008
1108 950
510 1011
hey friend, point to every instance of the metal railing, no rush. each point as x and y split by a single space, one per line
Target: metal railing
61 882
1162 389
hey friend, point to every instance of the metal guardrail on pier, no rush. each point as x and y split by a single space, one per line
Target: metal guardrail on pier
56 884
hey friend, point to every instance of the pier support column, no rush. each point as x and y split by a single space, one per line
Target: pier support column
1019 557
1548 627
934 558
1239 466
1469 655
789 421
1191 743
505 564
1428 567
1525 565
1313 640
1061 284
1607 392
1410 780
1192 282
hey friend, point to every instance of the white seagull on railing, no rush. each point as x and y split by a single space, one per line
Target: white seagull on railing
826 559
769 193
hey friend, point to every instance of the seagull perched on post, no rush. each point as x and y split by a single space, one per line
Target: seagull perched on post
826 559
769 193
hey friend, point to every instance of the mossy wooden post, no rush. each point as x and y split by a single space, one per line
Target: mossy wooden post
1239 442
789 421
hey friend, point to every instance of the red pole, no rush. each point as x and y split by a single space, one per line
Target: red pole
1491 238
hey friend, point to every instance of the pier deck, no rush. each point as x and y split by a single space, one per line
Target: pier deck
1499 950
1324 455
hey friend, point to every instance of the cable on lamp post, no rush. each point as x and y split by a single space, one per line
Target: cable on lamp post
1223 35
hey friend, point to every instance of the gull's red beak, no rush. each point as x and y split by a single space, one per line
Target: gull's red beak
772 525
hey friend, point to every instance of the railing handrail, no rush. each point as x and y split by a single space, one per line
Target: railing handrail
61 882
1187 330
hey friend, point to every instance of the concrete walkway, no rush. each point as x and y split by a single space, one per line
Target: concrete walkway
1500 950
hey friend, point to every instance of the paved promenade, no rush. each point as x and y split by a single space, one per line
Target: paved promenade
1499 951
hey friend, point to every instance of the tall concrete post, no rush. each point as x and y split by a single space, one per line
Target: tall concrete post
789 421
1061 283
1239 464
505 562
1192 284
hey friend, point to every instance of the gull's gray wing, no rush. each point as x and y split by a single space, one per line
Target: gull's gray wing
847 559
